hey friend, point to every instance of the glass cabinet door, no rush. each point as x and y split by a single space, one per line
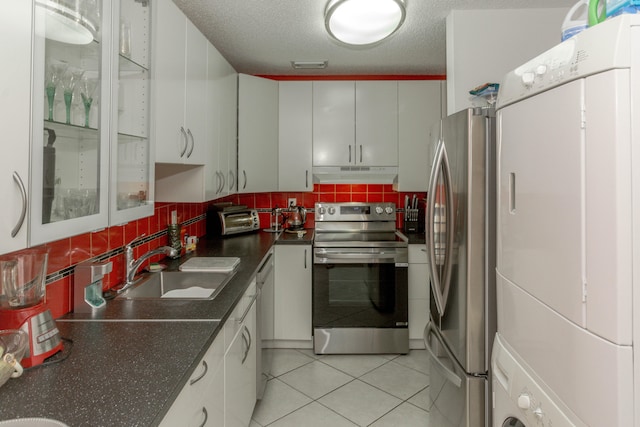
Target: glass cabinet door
131 169
69 122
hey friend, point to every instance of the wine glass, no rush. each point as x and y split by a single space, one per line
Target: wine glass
53 76
88 86
69 81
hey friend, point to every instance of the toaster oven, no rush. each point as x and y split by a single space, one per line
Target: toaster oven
231 220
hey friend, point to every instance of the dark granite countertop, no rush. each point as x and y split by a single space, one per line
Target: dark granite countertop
129 361
291 238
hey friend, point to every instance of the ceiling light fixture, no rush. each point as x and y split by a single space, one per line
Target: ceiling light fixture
309 65
67 21
363 22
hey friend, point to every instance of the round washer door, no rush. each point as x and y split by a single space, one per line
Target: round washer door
513 422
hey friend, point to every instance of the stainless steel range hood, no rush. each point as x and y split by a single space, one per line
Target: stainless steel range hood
354 174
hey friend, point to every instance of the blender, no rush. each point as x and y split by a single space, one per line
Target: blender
23 306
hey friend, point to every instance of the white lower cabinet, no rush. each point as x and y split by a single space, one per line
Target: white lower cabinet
418 294
201 401
240 365
222 390
292 293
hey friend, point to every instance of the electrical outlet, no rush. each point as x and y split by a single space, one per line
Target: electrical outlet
292 202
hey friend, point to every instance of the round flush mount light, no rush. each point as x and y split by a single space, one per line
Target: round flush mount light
363 22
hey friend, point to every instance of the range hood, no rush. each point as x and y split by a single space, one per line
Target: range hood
354 174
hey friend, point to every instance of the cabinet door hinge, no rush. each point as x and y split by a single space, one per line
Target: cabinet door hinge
584 292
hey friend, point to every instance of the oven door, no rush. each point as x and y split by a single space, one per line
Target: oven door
360 288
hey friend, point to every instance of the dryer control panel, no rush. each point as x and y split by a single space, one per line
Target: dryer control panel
582 55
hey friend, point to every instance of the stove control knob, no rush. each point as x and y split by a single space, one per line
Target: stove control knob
388 210
379 210
332 210
524 401
321 210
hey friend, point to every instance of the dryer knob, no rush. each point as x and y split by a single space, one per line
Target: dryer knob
524 401
538 413
528 78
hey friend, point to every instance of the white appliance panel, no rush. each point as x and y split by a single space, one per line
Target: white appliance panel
540 208
520 394
590 375
608 206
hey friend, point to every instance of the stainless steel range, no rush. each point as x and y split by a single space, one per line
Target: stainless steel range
360 283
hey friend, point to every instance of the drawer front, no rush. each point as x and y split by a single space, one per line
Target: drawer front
418 254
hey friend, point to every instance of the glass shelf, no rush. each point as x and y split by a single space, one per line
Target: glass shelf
129 65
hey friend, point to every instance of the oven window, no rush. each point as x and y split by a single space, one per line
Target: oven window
359 295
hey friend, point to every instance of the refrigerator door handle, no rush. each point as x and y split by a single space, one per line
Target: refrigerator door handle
435 360
440 284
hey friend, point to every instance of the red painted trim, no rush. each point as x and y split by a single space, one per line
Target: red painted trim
357 77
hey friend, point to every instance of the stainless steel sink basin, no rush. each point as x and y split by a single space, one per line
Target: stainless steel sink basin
178 285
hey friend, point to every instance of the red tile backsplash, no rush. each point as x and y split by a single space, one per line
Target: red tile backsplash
66 253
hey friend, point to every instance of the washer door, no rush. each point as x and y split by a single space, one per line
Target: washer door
513 422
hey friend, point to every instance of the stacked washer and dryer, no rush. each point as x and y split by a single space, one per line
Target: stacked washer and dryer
568 239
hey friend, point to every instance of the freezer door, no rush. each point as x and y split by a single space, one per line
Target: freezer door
460 230
457 399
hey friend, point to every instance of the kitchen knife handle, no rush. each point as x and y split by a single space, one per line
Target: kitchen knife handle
23 195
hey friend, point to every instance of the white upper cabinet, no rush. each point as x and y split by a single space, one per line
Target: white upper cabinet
296 136
419 110
257 134
180 70
376 123
221 126
131 195
333 123
69 178
15 111
355 123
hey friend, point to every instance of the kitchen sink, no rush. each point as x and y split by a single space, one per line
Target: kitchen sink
178 285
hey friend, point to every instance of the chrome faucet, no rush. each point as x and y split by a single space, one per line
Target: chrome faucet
132 265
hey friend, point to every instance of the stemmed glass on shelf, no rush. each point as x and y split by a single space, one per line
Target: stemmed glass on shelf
54 74
69 81
88 87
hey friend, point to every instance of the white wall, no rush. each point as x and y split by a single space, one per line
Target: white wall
483 45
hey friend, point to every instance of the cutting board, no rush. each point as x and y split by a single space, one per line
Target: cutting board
211 264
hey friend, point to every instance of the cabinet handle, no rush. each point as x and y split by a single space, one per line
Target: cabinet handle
232 180
23 212
193 143
186 141
306 178
305 259
206 417
253 298
224 182
248 342
349 154
244 172
201 376
360 153
219 181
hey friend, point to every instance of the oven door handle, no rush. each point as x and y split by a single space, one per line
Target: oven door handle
344 257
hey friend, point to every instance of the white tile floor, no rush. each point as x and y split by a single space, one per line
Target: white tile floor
310 390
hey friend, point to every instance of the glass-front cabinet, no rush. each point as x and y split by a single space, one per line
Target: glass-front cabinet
131 170
90 145
70 140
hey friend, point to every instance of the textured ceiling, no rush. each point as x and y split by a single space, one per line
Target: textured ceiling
264 36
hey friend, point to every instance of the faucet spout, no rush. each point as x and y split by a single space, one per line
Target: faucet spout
132 266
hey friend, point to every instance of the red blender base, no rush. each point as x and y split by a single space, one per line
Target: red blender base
37 322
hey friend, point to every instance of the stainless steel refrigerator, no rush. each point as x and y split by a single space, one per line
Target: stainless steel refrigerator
460 239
